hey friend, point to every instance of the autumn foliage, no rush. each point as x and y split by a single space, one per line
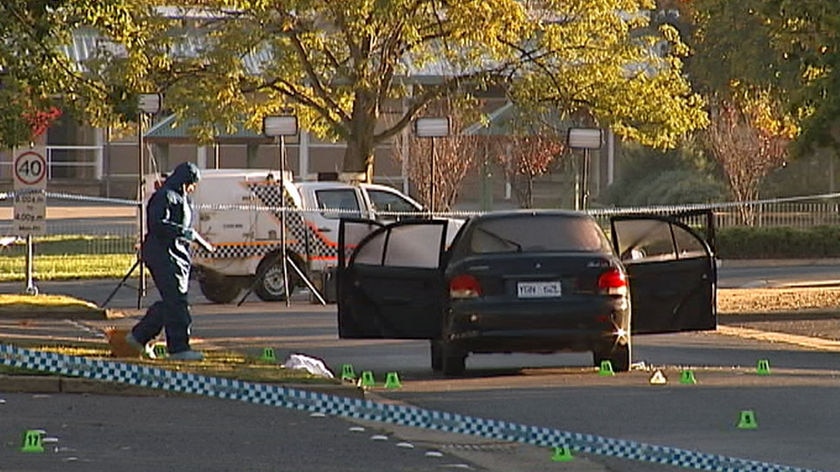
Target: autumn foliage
40 120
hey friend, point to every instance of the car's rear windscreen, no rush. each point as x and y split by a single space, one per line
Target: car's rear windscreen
533 233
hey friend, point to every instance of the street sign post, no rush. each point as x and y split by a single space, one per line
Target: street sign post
30 184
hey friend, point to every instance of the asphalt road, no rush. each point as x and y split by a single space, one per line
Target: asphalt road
778 273
794 407
96 433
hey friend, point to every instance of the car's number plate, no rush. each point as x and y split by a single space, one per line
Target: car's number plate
538 289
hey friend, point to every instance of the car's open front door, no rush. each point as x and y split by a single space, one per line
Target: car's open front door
392 284
671 267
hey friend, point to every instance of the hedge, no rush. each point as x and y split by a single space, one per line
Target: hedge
778 242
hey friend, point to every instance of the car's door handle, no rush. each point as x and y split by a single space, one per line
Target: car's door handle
325 229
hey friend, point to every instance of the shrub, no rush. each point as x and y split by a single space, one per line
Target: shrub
778 242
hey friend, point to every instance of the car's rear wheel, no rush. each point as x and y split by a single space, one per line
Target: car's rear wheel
271 287
219 288
436 351
617 354
453 360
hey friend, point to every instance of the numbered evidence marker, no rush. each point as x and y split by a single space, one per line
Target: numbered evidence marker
33 441
30 181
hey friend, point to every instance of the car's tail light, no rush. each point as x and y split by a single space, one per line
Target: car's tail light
613 282
464 286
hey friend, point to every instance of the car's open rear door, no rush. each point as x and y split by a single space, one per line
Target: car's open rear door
671 268
392 285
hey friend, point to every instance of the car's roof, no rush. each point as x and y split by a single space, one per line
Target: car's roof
532 212
325 184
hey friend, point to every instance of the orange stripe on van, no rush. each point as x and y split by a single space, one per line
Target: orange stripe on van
314 228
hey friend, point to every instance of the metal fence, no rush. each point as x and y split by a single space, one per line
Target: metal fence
794 212
109 226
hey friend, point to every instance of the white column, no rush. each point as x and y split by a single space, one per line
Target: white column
610 156
201 157
99 136
303 154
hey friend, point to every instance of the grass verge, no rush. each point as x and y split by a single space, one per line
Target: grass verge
67 257
216 363
67 266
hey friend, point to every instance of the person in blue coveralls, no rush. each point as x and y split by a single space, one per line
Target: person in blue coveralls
166 252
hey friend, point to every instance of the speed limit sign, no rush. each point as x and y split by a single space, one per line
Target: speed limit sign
30 176
30 170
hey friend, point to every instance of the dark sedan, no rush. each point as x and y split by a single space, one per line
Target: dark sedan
525 281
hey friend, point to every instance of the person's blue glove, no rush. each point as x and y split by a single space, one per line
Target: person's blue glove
189 234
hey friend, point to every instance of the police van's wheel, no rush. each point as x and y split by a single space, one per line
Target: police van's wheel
218 288
271 288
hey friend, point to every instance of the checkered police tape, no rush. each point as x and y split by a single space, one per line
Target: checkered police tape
463 214
273 395
330 212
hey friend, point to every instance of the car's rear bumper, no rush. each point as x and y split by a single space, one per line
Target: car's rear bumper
542 326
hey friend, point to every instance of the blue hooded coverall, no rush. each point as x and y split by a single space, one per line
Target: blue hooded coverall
166 252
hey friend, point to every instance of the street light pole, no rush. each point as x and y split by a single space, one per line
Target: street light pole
147 104
432 128
585 139
279 127
432 178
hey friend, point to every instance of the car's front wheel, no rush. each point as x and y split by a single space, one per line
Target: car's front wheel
453 360
617 354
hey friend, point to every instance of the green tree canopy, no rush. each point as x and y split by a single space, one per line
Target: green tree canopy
788 48
806 33
361 70
355 70
36 72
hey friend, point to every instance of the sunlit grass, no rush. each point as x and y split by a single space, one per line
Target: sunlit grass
73 244
216 363
66 267
63 257
44 301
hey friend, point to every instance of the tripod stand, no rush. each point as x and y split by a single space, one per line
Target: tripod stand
288 261
138 262
140 289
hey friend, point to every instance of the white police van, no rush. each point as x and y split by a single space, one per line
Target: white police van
240 212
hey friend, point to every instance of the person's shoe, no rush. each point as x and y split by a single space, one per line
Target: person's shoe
134 343
122 343
188 355
145 350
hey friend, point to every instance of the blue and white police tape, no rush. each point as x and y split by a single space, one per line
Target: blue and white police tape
272 395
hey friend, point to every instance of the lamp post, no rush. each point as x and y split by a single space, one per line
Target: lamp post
432 128
586 139
279 127
147 104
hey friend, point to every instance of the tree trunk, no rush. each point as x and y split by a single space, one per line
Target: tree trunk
529 189
359 157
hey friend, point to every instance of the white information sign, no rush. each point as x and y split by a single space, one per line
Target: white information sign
30 183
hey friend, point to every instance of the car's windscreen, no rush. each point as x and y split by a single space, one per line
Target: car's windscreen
533 233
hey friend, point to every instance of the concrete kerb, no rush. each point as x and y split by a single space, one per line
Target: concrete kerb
47 384
736 263
64 314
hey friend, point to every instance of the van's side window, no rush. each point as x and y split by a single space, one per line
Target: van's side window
386 202
339 199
